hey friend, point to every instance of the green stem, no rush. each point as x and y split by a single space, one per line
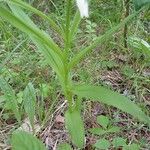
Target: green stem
67 79
67 30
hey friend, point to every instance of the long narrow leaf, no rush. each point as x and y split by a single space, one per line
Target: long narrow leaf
41 14
30 30
29 102
25 24
74 124
106 96
25 141
18 12
100 40
75 24
10 98
52 57
140 3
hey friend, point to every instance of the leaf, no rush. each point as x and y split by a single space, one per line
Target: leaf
140 45
75 24
64 146
118 142
75 126
45 88
44 43
10 98
100 131
29 29
29 102
113 130
34 10
25 141
2 100
19 13
102 144
106 96
103 121
52 58
97 131
100 40
20 97
131 147
140 3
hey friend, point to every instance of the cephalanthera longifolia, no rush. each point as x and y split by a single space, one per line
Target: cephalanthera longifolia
59 58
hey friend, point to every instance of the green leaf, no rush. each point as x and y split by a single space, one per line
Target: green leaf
10 98
140 3
2 100
97 131
45 88
118 142
30 29
29 102
18 12
102 144
64 146
103 121
75 126
34 10
44 43
99 40
113 130
75 24
52 58
20 97
131 147
25 141
106 96
100 131
140 45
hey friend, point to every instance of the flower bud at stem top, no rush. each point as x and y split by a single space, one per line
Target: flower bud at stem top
83 7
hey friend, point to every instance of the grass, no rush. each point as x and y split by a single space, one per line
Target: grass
122 69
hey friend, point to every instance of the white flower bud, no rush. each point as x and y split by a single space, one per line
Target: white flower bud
83 8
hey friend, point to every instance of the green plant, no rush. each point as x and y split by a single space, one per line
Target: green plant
90 30
10 100
24 141
103 143
138 3
64 146
58 57
29 103
23 101
117 142
140 46
106 126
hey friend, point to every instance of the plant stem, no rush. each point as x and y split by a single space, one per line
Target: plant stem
67 80
67 30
